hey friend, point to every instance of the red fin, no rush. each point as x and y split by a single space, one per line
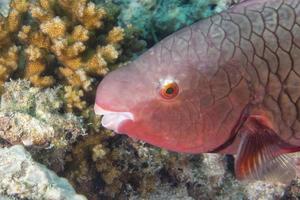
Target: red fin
261 154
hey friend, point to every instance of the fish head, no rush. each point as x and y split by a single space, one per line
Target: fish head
164 104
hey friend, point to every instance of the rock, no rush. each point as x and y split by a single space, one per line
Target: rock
165 192
22 177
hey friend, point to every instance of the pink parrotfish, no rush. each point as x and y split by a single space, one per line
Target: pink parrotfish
227 84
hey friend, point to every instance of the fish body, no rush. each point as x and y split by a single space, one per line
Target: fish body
226 84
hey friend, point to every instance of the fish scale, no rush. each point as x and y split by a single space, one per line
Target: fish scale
233 83
274 34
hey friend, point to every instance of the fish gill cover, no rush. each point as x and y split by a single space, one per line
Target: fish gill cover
53 53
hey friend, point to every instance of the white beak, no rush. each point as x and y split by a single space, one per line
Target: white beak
111 120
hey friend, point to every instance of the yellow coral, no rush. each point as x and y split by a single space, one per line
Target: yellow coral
80 34
33 72
3 32
23 34
76 78
54 28
33 53
68 46
97 65
8 63
72 64
20 5
57 43
46 4
109 53
34 68
13 20
44 81
40 40
9 53
85 80
17 8
39 14
99 151
75 49
73 98
88 14
116 35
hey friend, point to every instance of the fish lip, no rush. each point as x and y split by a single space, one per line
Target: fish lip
112 119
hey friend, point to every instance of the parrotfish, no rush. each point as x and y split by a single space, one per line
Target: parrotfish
227 84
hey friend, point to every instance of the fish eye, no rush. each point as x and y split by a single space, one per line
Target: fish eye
169 90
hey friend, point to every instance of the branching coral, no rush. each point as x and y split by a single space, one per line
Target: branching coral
67 37
8 63
69 42
9 26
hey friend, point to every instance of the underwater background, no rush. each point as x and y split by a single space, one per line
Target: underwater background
53 53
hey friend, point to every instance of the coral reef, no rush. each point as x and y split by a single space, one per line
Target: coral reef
23 178
157 18
166 192
109 167
9 52
68 38
70 45
127 169
67 42
293 190
2 197
32 117
264 190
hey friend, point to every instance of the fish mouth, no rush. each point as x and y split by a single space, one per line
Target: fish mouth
112 119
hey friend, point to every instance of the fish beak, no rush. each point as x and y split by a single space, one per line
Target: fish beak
112 120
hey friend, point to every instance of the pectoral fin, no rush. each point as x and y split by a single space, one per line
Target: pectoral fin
262 154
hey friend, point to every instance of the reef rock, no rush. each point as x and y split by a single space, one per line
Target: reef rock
23 178
158 19
30 116
121 168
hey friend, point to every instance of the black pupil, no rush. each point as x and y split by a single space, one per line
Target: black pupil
212 6
170 90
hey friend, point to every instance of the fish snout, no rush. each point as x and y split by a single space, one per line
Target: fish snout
112 119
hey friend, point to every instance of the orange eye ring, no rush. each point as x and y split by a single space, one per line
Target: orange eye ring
169 90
